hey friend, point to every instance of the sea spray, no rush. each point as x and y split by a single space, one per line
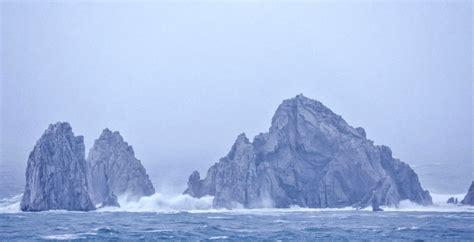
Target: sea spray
163 203
167 203
11 204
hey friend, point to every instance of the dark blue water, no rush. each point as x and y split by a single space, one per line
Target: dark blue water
242 225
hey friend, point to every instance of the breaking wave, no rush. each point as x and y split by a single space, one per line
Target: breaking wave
439 205
166 203
162 203
10 205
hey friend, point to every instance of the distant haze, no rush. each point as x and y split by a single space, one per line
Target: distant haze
180 80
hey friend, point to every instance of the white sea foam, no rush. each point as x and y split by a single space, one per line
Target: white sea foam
62 237
439 205
218 237
10 205
407 228
165 203
158 230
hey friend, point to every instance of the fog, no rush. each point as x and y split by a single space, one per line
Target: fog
180 80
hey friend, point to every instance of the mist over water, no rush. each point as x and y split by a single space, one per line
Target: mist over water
181 82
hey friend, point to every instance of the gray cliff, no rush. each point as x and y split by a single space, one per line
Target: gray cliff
115 171
56 174
469 198
310 157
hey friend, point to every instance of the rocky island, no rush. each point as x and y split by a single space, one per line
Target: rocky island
59 177
115 171
56 174
310 157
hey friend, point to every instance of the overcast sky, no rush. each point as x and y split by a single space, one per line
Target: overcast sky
181 80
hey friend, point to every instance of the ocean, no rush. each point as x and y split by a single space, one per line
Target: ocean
181 217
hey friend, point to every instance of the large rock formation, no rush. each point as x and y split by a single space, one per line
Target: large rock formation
310 158
115 170
56 175
469 198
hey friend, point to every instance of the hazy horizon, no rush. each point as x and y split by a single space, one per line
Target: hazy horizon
180 84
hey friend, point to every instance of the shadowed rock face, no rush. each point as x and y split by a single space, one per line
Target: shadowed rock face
56 174
469 198
310 157
115 170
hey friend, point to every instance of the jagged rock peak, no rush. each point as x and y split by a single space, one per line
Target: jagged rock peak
310 157
56 174
110 135
300 106
115 170
59 127
242 138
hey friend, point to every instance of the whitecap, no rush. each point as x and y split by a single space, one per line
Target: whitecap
11 205
407 228
218 237
176 203
218 217
163 203
158 230
438 206
61 237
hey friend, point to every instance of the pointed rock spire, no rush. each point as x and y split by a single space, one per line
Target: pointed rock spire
56 174
115 170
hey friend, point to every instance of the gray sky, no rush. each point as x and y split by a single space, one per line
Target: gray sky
181 80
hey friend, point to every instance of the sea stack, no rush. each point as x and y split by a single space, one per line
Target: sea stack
310 157
452 200
115 171
56 174
469 198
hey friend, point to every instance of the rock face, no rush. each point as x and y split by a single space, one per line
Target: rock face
310 157
115 170
56 174
469 198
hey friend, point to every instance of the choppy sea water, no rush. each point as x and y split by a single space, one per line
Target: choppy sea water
185 218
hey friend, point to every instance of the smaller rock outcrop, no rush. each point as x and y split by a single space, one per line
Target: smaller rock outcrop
194 185
56 174
469 198
115 171
452 200
376 205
